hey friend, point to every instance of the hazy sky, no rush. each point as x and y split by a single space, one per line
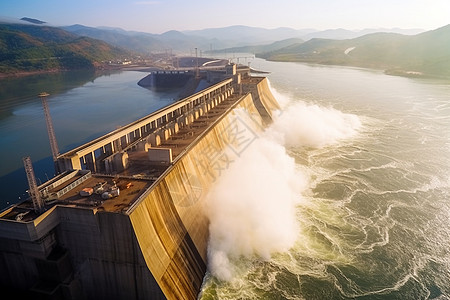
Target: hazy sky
162 15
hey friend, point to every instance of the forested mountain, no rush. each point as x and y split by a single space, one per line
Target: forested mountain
28 48
263 48
424 54
217 39
143 42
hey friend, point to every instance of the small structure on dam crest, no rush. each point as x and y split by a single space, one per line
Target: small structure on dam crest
124 219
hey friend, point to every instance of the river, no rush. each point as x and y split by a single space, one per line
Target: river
83 106
345 196
363 207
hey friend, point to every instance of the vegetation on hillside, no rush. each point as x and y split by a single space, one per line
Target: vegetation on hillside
261 48
29 48
425 54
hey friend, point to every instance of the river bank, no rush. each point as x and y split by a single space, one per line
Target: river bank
83 105
136 67
27 73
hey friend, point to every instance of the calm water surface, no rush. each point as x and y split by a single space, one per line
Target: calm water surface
82 105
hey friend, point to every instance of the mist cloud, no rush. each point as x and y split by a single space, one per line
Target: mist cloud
252 206
302 124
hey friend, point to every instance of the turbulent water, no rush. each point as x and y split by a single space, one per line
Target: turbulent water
346 195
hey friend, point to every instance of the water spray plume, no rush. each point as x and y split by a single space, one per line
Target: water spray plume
252 206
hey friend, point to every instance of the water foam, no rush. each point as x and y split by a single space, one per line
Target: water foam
302 124
253 205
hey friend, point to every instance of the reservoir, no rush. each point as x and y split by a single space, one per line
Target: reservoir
345 195
83 106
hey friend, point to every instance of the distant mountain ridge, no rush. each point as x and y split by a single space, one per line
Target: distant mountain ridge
211 38
424 54
343 34
35 47
240 35
143 42
256 35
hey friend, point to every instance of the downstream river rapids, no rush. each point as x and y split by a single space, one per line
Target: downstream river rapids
345 196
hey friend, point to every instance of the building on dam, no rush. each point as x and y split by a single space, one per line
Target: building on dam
124 219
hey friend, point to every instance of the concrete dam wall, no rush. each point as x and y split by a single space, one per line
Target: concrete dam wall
169 221
166 80
150 242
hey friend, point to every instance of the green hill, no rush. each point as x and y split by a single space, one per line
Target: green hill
262 48
425 54
30 48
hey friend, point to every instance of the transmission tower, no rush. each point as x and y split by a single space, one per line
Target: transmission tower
50 130
33 191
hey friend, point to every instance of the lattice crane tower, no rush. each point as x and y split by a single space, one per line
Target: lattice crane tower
50 130
33 190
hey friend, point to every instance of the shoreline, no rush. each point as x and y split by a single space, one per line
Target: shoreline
391 72
21 74
28 73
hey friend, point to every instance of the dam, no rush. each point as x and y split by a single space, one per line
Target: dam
124 218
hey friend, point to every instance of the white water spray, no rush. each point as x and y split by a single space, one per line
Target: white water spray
252 206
